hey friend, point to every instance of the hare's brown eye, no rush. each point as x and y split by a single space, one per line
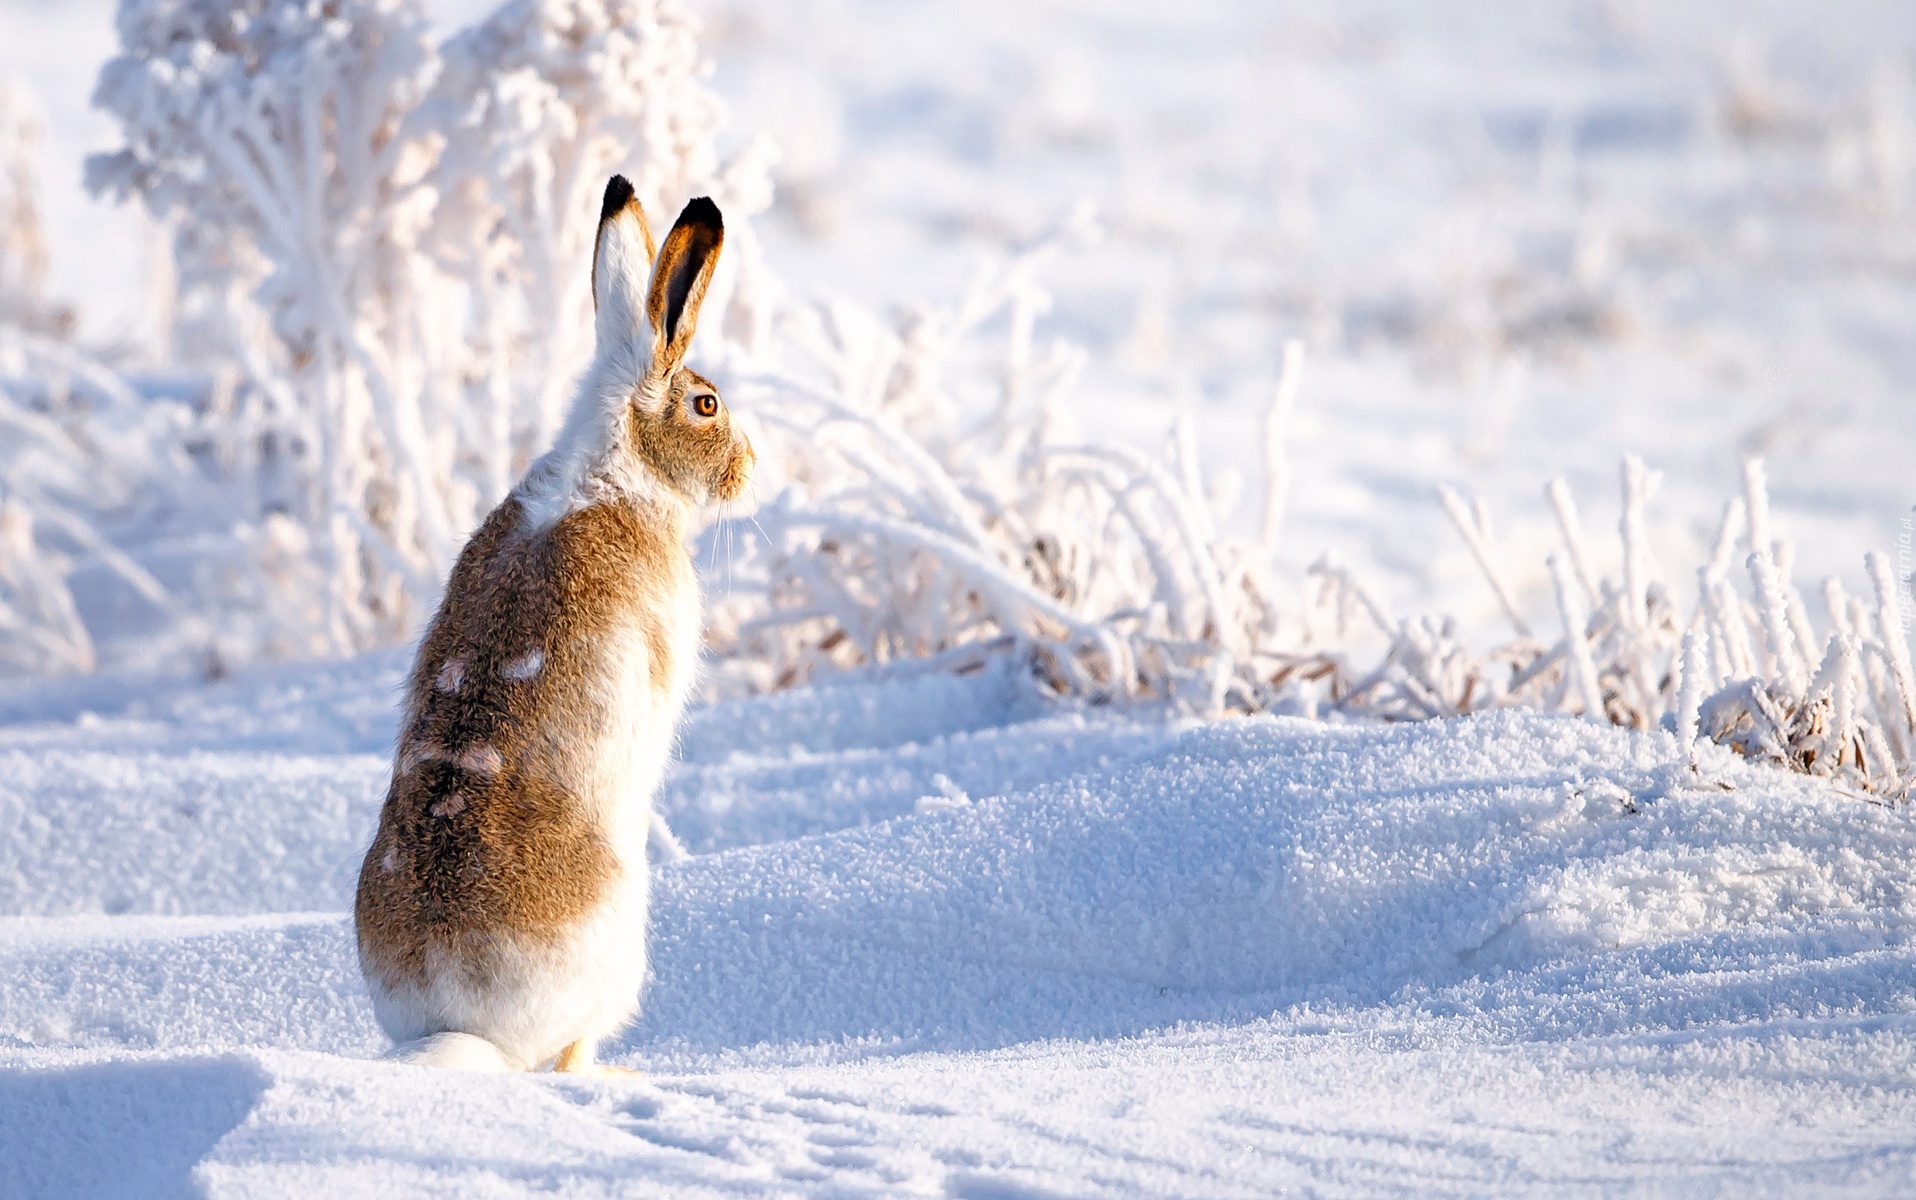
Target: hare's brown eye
705 404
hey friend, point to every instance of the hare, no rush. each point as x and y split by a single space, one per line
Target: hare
501 908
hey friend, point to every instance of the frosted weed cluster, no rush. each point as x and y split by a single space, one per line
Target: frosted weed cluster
379 239
380 310
906 542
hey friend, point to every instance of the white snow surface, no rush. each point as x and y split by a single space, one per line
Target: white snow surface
936 938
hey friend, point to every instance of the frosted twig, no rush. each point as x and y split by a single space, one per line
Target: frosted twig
1277 429
1184 443
665 842
1889 621
1639 483
1728 529
1842 698
1690 695
1756 498
1583 668
1565 507
1783 657
1473 535
1837 600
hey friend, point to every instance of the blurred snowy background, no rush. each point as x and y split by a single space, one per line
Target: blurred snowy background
1516 240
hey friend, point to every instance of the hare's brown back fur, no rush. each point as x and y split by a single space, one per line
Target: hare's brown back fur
494 821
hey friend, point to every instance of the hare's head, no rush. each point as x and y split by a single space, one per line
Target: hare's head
676 422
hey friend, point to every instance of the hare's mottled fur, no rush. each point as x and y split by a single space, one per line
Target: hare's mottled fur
501 908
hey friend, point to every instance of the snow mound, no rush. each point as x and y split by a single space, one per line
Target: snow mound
1267 858
1056 877
1441 958
90 832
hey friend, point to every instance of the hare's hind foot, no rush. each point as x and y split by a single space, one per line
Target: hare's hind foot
577 1059
450 1050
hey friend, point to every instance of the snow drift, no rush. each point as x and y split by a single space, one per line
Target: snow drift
1066 875
915 889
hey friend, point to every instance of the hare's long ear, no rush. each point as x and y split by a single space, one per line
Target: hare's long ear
679 279
621 260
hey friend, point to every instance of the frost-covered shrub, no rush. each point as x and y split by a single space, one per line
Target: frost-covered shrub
83 459
898 535
1744 668
270 136
40 631
23 242
903 540
388 257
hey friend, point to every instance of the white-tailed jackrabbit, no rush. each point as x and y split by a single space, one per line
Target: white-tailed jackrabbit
501 909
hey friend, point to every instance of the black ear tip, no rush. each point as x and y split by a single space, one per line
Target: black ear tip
618 194
702 212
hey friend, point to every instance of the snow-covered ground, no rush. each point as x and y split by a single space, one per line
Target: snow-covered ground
936 940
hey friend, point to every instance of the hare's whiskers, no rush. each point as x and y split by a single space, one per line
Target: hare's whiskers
731 550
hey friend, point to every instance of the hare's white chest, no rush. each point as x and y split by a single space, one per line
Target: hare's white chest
647 672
